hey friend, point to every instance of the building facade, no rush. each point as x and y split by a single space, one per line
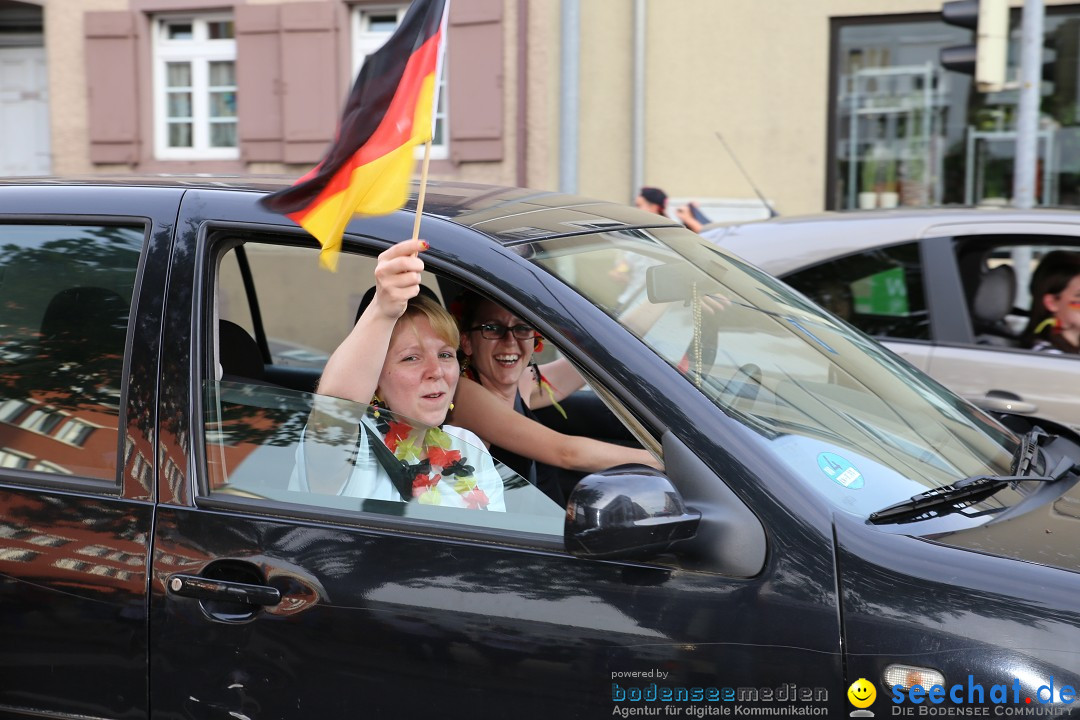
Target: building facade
824 104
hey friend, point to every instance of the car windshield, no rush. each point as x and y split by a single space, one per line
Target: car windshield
841 411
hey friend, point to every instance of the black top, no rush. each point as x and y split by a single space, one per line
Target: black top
543 476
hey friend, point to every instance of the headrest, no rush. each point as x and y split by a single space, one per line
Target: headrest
238 351
995 294
86 322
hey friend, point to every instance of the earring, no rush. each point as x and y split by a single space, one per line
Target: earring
376 404
451 405
464 369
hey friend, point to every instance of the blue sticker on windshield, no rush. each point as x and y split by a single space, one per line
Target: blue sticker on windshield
840 470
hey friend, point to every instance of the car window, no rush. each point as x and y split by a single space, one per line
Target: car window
270 439
879 291
997 275
860 426
63 321
283 277
311 450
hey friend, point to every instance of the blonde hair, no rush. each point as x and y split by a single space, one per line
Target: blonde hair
442 322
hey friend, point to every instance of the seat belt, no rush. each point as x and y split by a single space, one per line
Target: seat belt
395 469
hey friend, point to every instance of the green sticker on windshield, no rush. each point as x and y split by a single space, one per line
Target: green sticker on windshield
840 470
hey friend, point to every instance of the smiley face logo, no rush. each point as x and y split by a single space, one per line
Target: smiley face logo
862 693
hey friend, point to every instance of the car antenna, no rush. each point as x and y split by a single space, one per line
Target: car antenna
772 213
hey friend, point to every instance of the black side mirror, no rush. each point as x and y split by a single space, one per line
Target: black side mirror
629 511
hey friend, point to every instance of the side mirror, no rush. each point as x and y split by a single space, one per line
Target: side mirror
629 511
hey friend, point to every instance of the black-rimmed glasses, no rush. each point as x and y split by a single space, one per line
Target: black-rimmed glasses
495 331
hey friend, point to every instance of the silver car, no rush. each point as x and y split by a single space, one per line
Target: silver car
947 289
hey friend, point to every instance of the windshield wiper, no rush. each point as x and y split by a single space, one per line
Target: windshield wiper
969 490
1028 450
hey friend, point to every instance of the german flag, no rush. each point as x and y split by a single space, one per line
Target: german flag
389 112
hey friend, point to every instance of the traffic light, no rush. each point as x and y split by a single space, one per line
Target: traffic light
986 59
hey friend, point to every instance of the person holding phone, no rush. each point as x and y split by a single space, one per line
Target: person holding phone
691 216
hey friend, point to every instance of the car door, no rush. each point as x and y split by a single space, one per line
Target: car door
1013 380
79 328
261 605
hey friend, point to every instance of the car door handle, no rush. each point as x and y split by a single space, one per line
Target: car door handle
1003 401
201 588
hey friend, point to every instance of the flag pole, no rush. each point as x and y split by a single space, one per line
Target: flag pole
423 190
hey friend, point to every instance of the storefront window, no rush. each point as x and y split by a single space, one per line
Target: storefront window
909 133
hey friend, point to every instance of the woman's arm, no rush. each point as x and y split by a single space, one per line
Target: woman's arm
563 377
477 409
352 372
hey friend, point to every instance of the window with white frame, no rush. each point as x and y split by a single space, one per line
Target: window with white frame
195 88
42 420
75 432
11 409
373 26
14 459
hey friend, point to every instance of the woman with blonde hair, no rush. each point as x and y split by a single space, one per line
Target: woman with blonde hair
401 356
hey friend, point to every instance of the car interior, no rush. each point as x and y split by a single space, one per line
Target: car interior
879 291
998 297
991 303
273 332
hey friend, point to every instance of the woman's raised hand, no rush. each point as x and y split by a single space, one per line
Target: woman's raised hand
397 277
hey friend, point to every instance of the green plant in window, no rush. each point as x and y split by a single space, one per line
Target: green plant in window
914 166
869 172
994 182
890 175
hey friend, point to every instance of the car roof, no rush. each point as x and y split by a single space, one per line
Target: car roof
782 244
506 214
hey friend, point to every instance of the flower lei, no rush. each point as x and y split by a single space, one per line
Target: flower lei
441 463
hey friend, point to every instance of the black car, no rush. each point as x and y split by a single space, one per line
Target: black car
827 513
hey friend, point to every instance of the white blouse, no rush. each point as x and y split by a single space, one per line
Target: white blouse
369 480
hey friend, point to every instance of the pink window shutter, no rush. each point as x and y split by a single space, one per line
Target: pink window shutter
312 91
259 86
475 81
112 92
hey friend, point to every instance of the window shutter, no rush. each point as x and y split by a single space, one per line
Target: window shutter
112 103
258 81
311 91
475 81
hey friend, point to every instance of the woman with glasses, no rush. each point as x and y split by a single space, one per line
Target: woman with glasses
361 370
497 348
